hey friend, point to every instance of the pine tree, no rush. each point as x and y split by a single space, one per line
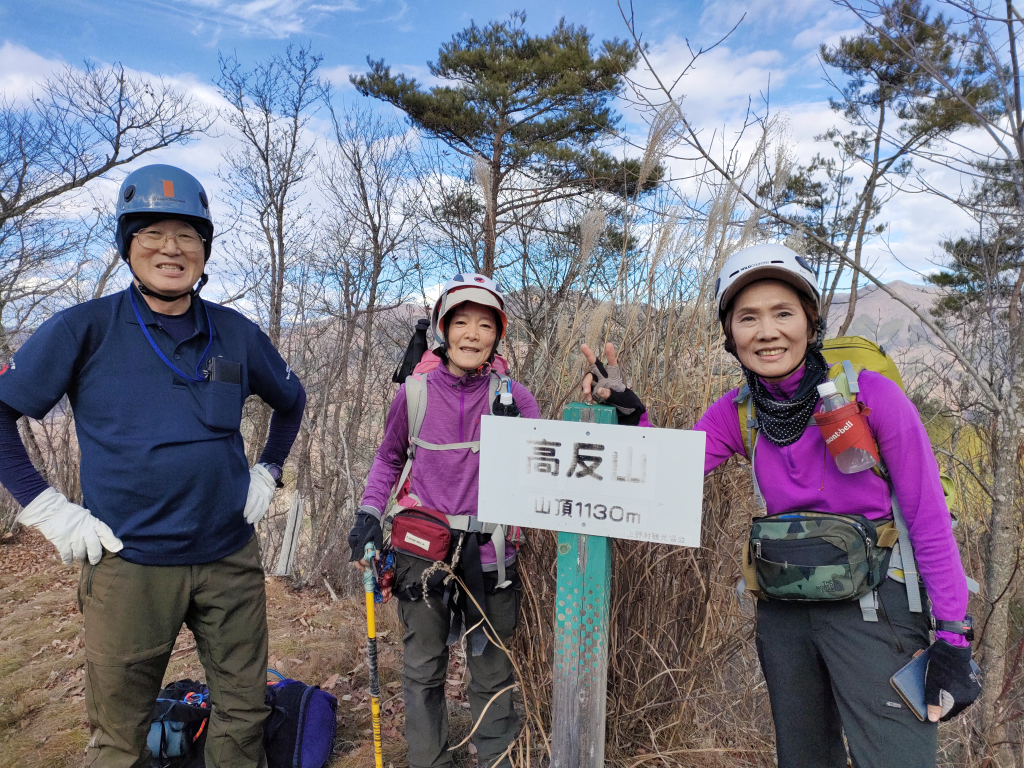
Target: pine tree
531 110
894 110
984 272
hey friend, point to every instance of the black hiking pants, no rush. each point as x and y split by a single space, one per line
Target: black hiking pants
828 674
426 623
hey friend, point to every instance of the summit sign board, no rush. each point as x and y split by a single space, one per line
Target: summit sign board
595 479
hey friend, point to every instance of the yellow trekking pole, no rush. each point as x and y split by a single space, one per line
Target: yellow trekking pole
371 654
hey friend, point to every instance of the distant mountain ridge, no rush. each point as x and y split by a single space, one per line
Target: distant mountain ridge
884 320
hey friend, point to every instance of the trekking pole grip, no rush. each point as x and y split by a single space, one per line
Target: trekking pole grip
368 555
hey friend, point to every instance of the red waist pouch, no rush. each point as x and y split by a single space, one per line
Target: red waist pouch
847 427
422 533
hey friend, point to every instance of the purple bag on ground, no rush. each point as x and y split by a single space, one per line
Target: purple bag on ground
299 732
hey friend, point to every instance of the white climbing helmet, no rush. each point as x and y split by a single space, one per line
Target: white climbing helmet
468 286
761 262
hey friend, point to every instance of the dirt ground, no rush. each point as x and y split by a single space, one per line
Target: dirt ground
312 638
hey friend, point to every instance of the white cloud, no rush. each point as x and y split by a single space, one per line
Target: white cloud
829 29
21 70
338 76
729 78
720 16
720 82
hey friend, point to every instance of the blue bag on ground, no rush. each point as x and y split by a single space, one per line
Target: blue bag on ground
177 735
299 732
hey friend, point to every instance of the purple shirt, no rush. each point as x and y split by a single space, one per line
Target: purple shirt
803 476
445 481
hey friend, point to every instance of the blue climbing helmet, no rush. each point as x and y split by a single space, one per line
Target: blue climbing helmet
156 193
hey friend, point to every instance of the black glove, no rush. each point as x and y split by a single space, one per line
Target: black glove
366 529
629 407
949 670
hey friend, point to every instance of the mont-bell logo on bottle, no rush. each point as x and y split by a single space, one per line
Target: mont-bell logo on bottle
839 432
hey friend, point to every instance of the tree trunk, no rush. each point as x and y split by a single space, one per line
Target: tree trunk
101 285
1000 567
851 308
28 437
356 414
867 202
260 429
491 212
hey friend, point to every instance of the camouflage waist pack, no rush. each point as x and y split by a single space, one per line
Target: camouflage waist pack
818 556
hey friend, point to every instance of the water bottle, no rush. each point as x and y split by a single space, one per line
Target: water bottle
853 459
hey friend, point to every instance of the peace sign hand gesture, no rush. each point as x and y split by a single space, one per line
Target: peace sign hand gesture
605 384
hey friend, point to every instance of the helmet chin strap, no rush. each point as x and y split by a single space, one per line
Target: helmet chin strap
191 293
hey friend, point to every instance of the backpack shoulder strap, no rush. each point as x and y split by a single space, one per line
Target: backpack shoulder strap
845 376
748 418
748 433
499 382
846 382
416 407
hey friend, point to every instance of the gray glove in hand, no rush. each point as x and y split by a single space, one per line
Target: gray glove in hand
609 377
604 383
70 528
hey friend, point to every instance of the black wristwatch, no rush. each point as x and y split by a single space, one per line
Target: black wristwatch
965 627
275 472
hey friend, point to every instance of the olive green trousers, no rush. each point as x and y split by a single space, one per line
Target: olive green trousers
133 614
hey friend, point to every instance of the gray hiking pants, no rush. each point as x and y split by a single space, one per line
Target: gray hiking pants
828 673
425 665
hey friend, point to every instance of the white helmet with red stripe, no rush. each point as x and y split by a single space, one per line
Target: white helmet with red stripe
467 286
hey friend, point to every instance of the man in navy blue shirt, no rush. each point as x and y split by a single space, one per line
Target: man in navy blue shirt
156 378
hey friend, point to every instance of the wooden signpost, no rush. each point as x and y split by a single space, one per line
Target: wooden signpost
592 484
580 676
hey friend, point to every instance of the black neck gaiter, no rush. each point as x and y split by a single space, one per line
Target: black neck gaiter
782 422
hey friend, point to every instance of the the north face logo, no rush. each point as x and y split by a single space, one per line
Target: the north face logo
830 587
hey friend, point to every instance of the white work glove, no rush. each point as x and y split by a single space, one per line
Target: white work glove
261 492
70 528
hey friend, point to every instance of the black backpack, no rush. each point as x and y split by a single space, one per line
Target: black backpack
177 735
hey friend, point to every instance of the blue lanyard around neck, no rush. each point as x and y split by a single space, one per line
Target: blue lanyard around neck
168 363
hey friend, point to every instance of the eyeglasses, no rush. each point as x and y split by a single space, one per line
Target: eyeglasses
154 239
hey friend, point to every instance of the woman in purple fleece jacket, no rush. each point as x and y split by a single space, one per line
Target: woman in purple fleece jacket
470 321
826 667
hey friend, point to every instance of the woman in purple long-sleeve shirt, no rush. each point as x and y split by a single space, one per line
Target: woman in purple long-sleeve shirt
469 320
826 666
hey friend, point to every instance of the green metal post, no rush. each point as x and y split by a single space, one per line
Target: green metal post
580 676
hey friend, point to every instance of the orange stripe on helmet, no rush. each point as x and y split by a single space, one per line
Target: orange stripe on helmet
168 188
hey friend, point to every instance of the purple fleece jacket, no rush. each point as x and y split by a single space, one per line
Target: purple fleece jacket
445 481
803 476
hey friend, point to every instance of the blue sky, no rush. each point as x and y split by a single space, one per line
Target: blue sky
774 47
173 37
